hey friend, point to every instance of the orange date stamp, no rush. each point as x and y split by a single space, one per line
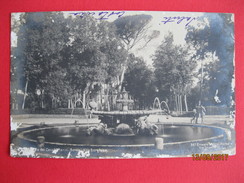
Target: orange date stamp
210 157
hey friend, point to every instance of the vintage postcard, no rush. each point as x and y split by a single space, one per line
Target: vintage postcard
122 84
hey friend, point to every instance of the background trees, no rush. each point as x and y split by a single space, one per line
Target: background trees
173 72
140 81
44 42
215 37
63 56
132 30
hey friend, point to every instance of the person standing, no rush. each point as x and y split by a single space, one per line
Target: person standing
194 116
200 112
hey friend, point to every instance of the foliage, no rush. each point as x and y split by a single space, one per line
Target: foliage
139 81
173 68
132 30
216 36
63 56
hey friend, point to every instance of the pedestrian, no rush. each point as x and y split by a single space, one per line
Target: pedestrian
193 120
200 112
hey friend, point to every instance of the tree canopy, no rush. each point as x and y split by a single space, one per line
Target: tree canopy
132 30
63 56
173 69
58 56
140 81
216 36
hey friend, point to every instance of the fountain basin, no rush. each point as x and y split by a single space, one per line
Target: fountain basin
76 136
71 141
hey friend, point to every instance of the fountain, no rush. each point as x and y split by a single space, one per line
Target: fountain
124 122
126 131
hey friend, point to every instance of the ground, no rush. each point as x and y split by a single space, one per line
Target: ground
33 119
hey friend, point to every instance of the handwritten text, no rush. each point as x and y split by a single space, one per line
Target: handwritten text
178 20
100 15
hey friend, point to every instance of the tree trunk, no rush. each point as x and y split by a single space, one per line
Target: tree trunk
185 99
108 102
42 98
180 104
68 104
179 99
123 72
84 100
26 85
122 78
176 103
72 103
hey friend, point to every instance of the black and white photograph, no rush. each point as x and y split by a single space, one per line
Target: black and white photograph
122 84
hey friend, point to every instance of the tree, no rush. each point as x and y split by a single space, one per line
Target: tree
173 71
16 70
63 56
45 38
99 57
139 81
131 30
215 36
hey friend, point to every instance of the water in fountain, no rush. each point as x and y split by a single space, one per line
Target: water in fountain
154 102
128 121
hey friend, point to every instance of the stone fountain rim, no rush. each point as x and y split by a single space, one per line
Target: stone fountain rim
21 136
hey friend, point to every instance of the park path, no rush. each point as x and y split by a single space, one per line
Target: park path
68 119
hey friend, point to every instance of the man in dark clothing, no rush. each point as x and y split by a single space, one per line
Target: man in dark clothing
200 112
